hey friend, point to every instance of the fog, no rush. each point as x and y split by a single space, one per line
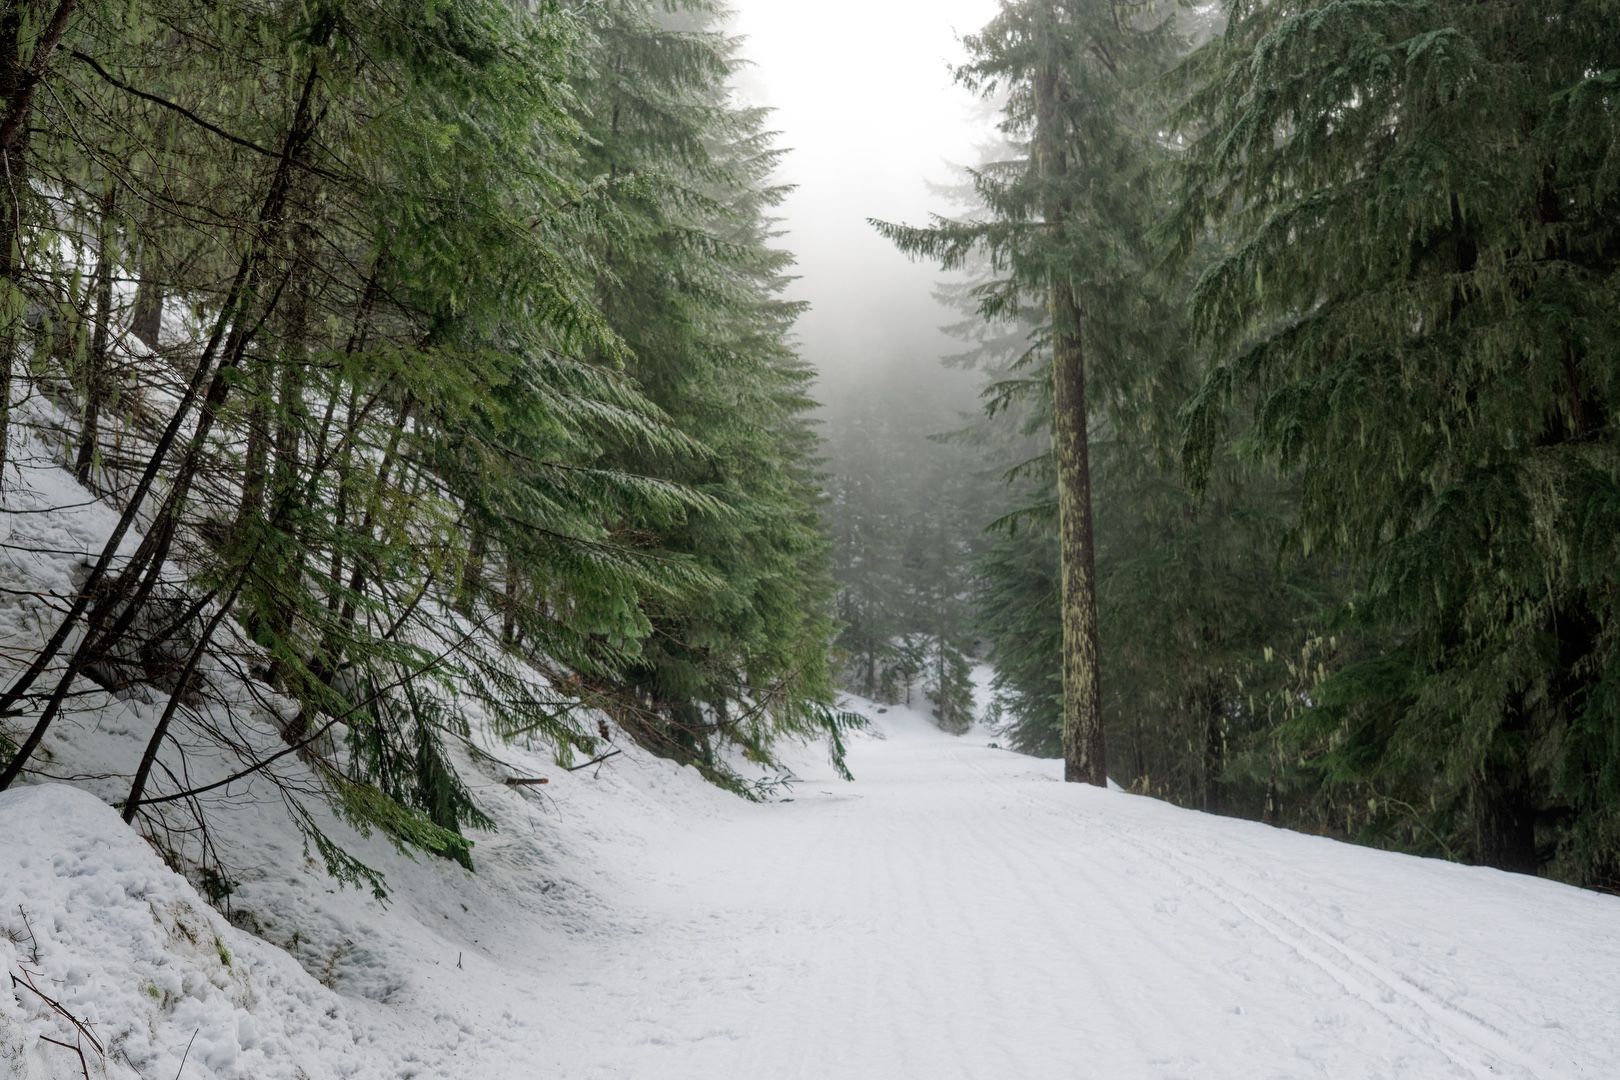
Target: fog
867 105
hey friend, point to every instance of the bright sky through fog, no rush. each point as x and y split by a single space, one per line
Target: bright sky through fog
865 100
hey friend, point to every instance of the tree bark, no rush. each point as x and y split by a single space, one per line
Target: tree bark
146 319
256 461
1084 749
95 381
1213 713
509 611
19 82
322 452
327 660
146 314
13 185
472 572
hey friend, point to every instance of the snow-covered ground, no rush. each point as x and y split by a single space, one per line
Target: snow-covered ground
956 912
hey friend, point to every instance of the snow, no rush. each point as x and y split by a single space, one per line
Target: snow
126 947
956 912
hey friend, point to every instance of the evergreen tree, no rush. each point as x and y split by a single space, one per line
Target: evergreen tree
905 513
1417 313
688 277
1192 592
1067 226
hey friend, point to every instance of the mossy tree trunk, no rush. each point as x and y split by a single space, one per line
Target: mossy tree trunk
1084 747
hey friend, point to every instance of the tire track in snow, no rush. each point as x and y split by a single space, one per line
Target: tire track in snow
957 922
1474 1047
1114 944
1027 919
1123 852
909 948
1464 1022
1459 1021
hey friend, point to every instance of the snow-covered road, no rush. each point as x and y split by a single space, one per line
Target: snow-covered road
955 913
960 913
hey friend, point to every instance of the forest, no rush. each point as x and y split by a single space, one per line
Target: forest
443 351
439 550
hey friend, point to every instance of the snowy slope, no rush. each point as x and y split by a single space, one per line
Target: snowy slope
957 912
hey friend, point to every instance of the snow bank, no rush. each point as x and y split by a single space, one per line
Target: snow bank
139 963
443 976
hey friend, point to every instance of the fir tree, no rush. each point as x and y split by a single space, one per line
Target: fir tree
687 275
1417 312
906 511
426 457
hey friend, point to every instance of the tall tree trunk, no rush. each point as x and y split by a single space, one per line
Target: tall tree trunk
292 412
509 610
1212 711
327 660
941 713
146 314
13 186
95 381
340 507
285 552
472 571
1084 750
257 459
321 450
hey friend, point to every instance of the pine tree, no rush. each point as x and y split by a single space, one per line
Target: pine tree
1417 312
688 276
426 458
906 509
1195 601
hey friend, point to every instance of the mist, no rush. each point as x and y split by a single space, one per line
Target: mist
864 95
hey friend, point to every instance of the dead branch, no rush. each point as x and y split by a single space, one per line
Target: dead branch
27 981
595 761
84 1066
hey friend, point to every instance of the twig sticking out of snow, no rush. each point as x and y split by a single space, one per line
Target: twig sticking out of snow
27 982
33 942
187 1054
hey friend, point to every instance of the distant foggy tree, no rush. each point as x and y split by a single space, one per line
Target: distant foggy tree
906 512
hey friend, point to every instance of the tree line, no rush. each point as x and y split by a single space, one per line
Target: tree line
1313 308
430 359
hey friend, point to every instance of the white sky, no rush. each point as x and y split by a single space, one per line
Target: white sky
865 100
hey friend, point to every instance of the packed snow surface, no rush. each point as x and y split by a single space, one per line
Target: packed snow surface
956 912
